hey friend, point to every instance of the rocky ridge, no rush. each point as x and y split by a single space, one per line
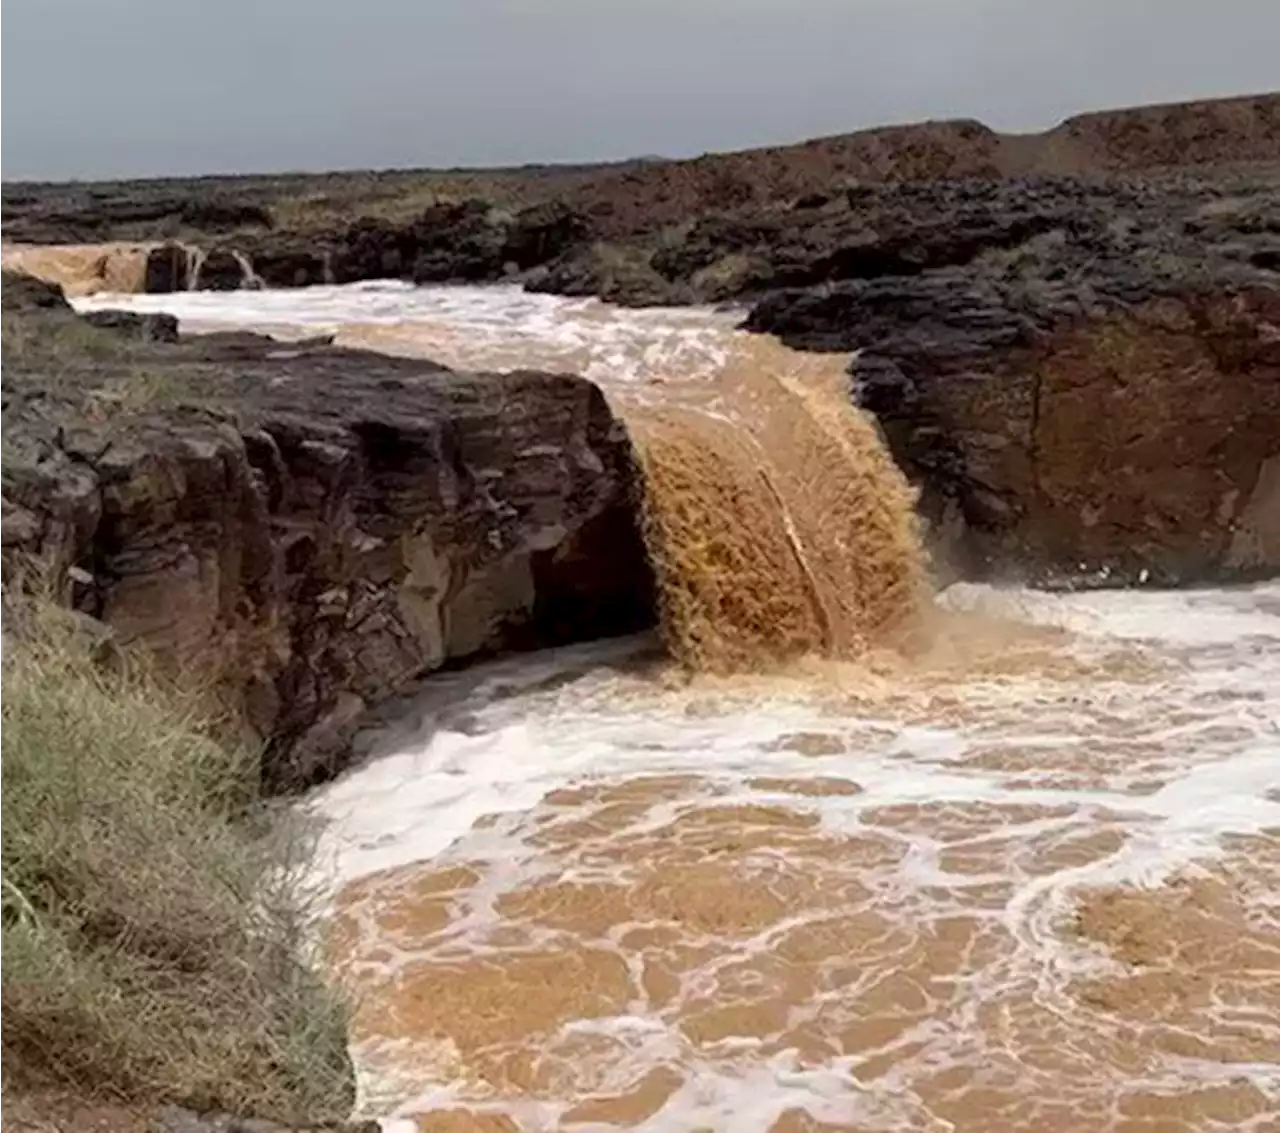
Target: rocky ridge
1069 339
616 221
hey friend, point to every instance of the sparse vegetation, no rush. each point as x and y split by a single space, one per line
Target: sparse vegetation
49 355
398 199
60 338
154 925
142 390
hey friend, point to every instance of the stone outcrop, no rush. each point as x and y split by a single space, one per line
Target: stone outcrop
1084 377
155 327
24 292
1069 338
464 242
315 527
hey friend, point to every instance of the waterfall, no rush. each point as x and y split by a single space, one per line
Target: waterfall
195 261
249 279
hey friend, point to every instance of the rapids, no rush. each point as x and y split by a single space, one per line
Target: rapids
1021 875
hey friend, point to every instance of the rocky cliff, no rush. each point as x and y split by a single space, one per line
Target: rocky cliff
1069 338
1084 376
315 526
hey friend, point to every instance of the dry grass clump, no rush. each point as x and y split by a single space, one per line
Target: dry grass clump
92 373
61 338
153 925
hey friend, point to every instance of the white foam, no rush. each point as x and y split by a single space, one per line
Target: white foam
605 343
411 804
1178 765
1217 766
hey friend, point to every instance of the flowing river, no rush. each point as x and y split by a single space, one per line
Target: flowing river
1023 875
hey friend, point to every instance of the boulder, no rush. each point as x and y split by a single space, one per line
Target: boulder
168 268
466 241
23 292
622 274
309 530
371 248
221 269
150 327
457 243
542 232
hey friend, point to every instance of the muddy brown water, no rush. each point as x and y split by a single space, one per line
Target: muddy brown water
989 860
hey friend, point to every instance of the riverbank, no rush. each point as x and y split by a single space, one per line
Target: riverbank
616 885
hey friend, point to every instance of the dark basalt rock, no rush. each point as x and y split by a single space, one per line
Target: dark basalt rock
622 275
23 292
315 526
455 242
87 213
157 327
539 234
459 242
168 268
220 270
1084 378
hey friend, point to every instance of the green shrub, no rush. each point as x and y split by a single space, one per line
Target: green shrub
154 924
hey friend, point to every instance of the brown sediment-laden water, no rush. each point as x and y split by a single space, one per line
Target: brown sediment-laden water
846 854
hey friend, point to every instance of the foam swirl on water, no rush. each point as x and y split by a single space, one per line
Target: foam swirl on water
1023 878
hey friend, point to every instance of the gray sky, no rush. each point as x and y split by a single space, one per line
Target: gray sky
99 88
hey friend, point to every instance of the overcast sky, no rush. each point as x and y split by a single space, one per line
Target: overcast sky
99 88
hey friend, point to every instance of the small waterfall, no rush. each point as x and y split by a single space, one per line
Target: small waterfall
195 261
84 269
327 266
250 280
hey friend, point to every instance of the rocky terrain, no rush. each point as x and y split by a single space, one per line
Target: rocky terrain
625 199
1070 340
316 526
1083 375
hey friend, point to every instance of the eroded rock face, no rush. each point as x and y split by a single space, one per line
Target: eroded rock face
1099 397
459 242
355 521
23 292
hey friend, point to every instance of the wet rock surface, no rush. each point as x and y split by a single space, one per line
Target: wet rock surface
315 527
1084 377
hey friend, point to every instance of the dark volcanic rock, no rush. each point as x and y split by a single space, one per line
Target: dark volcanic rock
87 213
315 527
286 259
618 274
168 268
23 292
156 327
463 242
220 269
459 242
222 214
539 234
1102 396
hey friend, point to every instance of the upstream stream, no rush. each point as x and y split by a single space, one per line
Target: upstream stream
1022 874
